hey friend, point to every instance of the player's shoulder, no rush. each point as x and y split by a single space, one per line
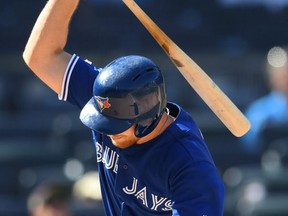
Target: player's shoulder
184 124
185 136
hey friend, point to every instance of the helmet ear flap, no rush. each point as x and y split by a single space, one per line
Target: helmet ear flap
143 128
146 126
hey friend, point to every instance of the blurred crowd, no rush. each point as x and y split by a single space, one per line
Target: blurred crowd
47 161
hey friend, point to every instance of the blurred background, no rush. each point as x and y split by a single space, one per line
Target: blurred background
42 139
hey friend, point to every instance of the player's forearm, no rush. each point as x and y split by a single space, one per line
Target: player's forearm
50 31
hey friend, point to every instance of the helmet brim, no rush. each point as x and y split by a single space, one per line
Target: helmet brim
95 120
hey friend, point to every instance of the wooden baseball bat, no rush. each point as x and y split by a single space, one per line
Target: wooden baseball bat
212 95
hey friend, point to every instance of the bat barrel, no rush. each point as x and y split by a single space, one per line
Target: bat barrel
210 93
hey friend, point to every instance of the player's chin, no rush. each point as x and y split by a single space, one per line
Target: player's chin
122 145
121 142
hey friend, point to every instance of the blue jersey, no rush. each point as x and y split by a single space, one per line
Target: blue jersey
173 174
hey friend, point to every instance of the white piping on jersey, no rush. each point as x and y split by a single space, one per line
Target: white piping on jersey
65 84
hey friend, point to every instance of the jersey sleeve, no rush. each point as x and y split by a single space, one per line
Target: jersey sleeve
197 190
77 86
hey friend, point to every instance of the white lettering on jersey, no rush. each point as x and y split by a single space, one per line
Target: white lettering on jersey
109 157
133 188
99 152
141 193
116 164
168 206
156 202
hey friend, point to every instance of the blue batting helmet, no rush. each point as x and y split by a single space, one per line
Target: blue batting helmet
130 90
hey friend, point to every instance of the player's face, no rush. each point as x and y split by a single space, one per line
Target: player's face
124 139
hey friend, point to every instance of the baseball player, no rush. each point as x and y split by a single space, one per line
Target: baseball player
152 159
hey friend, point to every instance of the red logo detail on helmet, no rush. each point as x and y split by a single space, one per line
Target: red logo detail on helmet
102 102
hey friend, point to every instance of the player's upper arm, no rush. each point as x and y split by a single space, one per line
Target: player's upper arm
50 69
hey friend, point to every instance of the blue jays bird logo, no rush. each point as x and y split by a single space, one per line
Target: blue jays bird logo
102 102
